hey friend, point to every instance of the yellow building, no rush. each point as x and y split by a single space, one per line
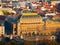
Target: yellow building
30 24
2 31
35 24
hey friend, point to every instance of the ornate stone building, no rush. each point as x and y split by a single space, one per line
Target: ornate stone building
30 25
35 24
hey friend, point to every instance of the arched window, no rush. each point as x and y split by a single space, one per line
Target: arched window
29 34
37 34
33 34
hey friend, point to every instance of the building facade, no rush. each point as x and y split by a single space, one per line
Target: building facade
30 25
2 30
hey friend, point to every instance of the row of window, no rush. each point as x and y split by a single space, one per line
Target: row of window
33 33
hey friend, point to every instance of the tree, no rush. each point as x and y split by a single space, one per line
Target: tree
8 27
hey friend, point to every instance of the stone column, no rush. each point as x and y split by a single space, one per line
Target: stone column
18 29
